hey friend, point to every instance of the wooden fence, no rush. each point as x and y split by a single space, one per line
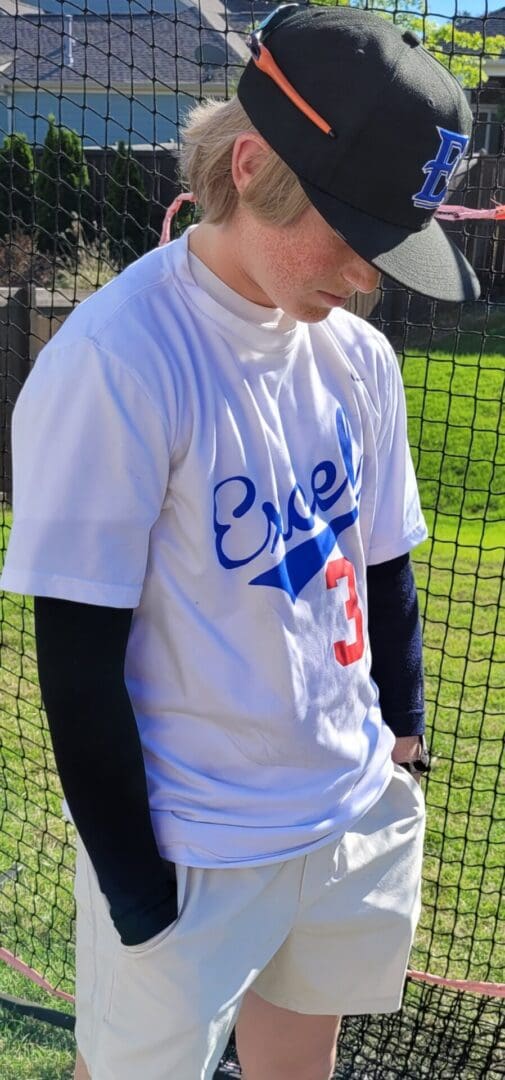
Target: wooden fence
484 241
159 171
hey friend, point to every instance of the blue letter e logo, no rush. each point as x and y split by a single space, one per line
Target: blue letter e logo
440 169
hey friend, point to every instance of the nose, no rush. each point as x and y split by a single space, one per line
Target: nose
360 274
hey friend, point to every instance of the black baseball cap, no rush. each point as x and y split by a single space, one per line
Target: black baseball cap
396 125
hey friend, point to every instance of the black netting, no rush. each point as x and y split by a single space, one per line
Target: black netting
92 97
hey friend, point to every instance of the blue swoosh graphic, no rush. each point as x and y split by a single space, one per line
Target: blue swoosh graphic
301 563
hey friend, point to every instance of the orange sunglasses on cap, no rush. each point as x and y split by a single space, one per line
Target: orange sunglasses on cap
265 62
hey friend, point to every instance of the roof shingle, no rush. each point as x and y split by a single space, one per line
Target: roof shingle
118 50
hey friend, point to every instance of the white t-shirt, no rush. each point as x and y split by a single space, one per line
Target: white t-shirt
229 474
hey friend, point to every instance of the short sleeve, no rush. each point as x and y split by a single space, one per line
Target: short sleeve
398 523
90 471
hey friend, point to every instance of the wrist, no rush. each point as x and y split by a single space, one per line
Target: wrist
418 762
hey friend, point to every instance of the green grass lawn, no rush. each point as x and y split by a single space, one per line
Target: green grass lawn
29 1049
457 433
33 1051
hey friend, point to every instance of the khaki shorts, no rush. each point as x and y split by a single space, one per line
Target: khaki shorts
325 933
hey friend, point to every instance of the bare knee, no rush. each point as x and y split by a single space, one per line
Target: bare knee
81 1072
283 1045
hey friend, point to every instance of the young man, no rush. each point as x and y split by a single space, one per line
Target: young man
214 503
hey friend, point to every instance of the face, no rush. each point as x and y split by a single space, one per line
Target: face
304 268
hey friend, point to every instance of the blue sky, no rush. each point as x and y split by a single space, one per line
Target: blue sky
448 8
442 8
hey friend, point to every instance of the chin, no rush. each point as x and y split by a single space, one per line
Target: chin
311 315
302 311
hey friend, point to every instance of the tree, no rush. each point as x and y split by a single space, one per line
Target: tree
126 214
459 50
16 185
62 185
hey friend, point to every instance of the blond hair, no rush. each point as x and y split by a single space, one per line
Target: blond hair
274 193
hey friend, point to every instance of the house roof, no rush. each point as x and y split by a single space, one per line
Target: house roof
95 7
489 24
246 13
17 7
119 50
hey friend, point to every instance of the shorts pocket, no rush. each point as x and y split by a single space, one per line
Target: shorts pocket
411 782
151 944
146 948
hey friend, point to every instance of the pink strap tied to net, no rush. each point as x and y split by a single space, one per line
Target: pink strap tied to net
173 209
468 213
444 213
24 969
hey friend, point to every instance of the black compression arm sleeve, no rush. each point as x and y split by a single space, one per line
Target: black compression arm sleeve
396 645
81 652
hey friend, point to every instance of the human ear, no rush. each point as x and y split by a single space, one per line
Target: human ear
249 154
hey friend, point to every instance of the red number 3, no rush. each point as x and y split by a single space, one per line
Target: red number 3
336 571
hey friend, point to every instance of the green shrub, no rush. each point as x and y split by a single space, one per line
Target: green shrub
16 185
62 186
126 213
